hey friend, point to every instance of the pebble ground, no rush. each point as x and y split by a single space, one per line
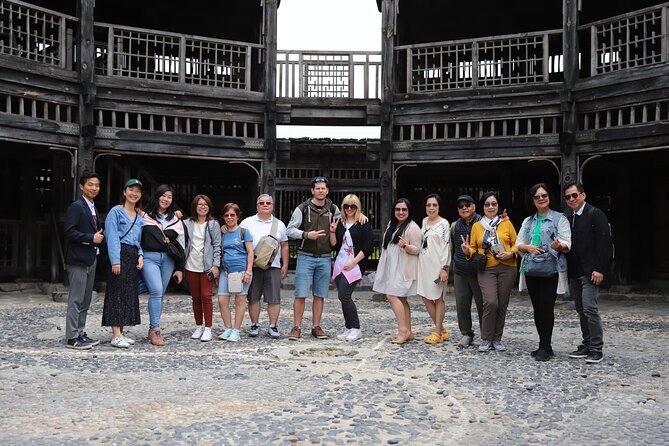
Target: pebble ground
368 392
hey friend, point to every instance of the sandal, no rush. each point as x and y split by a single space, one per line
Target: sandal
434 338
444 336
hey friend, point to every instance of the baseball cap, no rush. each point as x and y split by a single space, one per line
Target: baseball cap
465 198
133 182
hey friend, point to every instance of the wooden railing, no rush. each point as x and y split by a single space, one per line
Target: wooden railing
506 60
36 34
630 40
329 74
158 55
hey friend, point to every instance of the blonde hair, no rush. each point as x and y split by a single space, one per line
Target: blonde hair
351 199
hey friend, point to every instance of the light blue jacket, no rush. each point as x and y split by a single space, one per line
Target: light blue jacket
556 224
118 225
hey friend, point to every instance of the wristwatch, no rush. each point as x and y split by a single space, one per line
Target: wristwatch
445 267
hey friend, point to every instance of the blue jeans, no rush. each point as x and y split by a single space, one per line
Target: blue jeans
158 268
312 272
585 298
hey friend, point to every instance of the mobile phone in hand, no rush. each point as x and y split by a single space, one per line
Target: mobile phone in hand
210 276
437 280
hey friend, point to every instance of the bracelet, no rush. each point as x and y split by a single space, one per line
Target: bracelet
248 273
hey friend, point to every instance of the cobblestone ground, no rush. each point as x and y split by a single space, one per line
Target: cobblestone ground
262 391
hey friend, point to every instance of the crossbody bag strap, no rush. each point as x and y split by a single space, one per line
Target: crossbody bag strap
275 227
130 229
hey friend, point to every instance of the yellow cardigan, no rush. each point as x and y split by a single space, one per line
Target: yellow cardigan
506 234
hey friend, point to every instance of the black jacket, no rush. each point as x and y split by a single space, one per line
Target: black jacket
363 240
591 244
80 227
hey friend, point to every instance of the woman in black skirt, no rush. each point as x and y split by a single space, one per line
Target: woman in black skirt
123 232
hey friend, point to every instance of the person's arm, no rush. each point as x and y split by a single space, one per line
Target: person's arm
333 234
603 243
113 241
414 238
522 244
71 227
248 244
215 233
293 229
285 252
562 241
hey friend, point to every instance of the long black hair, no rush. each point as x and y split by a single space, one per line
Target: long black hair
393 223
153 206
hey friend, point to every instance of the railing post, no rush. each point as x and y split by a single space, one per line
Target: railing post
475 64
546 57
366 77
351 80
409 83
182 60
247 72
593 50
665 34
303 79
62 42
111 51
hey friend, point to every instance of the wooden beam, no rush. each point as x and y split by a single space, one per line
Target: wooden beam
86 63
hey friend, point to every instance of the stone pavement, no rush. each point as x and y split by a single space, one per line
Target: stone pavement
261 391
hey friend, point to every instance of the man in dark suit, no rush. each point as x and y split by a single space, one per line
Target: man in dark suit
587 261
83 231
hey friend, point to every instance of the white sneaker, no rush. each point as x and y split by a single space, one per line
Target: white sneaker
343 334
354 334
197 334
119 342
127 339
206 334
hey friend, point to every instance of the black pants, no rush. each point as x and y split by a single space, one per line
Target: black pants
344 292
543 292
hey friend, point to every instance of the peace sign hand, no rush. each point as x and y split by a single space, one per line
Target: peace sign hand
465 244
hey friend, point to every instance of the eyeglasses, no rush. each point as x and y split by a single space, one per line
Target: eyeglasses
350 206
202 205
229 215
572 196
432 205
464 205
401 209
265 203
490 205
540 196
319 180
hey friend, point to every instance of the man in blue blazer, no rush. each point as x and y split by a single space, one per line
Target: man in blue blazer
83 231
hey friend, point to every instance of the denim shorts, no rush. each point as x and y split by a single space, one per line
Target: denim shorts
312 272
223 285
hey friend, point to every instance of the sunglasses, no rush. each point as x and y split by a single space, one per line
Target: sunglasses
350 206
490 205
540 196
265 203
229 215
401 209
572 196
319 180
431 205
464 205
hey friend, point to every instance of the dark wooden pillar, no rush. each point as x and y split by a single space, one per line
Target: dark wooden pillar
387 94
86 67
28 228
570 10
269 168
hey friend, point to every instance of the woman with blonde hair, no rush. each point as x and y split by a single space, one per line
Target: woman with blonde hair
353 243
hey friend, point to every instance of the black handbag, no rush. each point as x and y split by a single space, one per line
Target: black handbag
479 261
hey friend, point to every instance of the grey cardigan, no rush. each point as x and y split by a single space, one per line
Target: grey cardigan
212 243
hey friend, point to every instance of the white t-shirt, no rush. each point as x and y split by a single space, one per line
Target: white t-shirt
259 228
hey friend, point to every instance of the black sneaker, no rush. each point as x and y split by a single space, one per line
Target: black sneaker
594 357
91 341
581 352
79 344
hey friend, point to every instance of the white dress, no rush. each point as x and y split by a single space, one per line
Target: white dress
433 255
389 277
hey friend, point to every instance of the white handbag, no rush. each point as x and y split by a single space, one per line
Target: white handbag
235 284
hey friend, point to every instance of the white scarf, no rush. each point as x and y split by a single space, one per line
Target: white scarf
488 224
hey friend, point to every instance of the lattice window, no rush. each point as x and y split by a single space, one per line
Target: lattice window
628 42
510 61
326 76
216 63
441 67
146 55
32 33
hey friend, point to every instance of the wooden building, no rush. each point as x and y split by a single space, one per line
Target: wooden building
468 96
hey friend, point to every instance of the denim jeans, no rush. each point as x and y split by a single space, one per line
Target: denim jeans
585 298
312 272
157 271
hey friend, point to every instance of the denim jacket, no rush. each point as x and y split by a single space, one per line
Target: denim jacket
554 223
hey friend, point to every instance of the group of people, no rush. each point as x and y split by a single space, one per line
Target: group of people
247 259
